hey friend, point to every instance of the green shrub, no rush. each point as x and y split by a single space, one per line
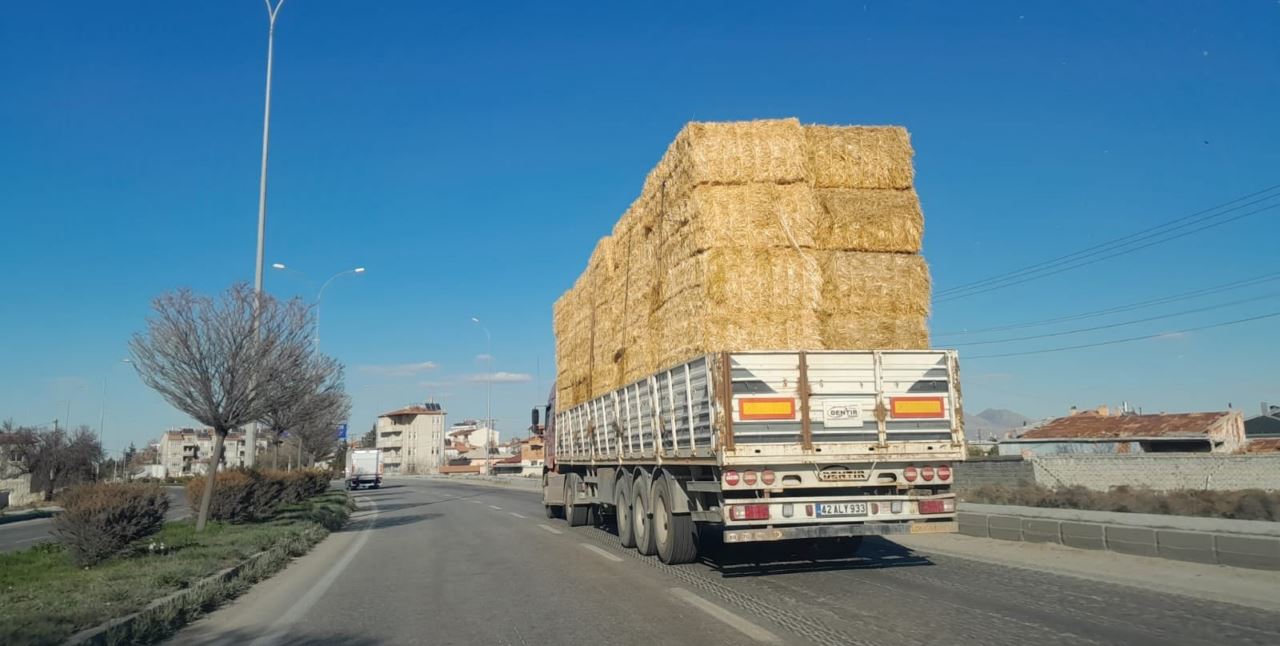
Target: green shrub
1247 504
99 520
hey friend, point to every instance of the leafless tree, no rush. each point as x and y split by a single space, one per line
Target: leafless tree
210 358
55 458
305 399
319 435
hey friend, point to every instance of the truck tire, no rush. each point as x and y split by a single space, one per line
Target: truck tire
553 511
622 507
673 534
575 515
641 517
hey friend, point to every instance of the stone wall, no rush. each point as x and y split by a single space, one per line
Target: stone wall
977 472
19 489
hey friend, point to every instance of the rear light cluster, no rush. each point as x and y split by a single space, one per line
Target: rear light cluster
940 506
749 478
749 512
927 473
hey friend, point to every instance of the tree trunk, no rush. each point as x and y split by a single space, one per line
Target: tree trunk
207 497
275 454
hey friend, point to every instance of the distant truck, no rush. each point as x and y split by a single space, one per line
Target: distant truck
821 446
364 468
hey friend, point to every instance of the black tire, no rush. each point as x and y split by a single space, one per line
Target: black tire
622 507
641 517
553 511
575 515
673 534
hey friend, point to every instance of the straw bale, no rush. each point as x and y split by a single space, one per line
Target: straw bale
737 152
869 331
748 278
866 219
689 325
748 216
859 156
888 284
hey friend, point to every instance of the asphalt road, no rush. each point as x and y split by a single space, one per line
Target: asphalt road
25 533
431 562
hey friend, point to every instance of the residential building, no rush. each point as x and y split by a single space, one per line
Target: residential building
526 460
412 439
1266 425
1100 432
187 451
473 434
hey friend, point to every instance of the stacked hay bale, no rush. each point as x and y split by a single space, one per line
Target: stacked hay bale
762 235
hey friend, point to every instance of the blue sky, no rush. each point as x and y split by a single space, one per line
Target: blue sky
470 155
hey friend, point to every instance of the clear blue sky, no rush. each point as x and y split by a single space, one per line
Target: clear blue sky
470 156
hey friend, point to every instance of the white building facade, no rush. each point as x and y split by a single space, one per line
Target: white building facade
412 439
187 451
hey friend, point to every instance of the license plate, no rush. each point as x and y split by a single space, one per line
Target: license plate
841 509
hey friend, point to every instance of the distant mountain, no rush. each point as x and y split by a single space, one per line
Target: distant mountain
993 422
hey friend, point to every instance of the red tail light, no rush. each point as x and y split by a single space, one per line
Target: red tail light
749 512
731 478
944 472
749 477
927 474
909 474
767 477
943 506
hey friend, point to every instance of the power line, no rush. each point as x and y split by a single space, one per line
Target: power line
1223 287
1125 340
1119 252
1123 241
1120 324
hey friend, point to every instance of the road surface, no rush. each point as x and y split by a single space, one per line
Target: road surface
24 533
433 562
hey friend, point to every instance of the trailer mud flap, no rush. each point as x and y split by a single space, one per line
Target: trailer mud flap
836 531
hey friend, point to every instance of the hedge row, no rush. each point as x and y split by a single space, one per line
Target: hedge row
247 494
98 520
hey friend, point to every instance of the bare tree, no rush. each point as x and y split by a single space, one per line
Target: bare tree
54 457
319 435
303 399
209 359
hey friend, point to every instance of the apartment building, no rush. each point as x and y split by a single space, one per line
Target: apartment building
187 451
412 439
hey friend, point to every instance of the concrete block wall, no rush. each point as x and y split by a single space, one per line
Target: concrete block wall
994 471
1159 472
20 493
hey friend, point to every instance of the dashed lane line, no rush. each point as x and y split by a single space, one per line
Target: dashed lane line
550 529
602 553
734 621
517 515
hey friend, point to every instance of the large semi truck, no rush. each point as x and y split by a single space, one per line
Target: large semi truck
764 446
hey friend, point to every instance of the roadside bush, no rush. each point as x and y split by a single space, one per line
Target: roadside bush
99 520
1246 504
232 495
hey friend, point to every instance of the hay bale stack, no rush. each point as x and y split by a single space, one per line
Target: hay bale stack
762 235
859 156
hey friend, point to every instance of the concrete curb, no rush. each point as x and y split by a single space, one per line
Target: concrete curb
1139 535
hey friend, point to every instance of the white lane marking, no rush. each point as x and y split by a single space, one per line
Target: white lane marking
601 552
742 625
477 502
551 529
495 507
291 616
516 515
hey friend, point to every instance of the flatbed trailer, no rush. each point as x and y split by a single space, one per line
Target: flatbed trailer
764 446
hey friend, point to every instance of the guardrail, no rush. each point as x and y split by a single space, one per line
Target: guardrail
1238 543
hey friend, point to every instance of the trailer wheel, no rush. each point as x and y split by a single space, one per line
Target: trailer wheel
553 511
622 505
575 515
641 519
673 533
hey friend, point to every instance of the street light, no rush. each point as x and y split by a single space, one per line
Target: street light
320 295
272 12
488 397
102 408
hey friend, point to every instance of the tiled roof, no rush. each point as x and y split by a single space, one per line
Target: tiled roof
419 409
1174 425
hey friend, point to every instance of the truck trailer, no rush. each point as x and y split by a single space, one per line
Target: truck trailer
824 446
364 468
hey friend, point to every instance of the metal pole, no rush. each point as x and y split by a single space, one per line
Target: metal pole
320 296
251 434
102 416
488 397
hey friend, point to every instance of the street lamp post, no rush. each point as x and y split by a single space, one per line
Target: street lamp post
488 396
320 295
102 412
272 12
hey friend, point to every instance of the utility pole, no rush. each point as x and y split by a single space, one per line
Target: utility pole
251 434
